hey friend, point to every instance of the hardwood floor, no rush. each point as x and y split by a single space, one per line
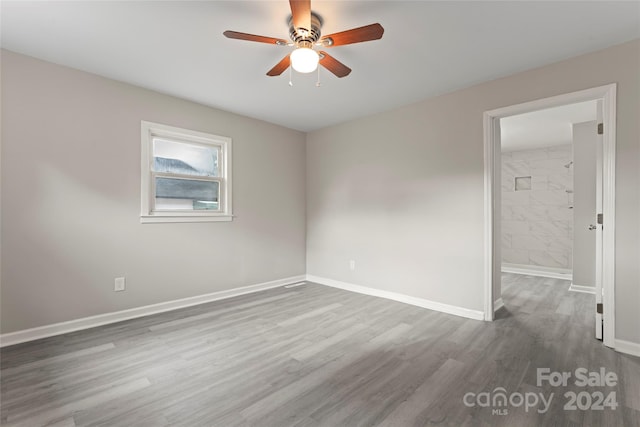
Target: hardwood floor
317 356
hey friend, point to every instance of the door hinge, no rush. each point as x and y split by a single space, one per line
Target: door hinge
600 128
599 308
599 220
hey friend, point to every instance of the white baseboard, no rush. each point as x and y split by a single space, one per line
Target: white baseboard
118 316
584 289
535 270
431 305
627 347
498 304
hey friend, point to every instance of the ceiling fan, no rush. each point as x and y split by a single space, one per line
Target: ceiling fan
305 35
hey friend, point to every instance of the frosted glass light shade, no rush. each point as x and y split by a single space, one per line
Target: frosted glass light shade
304 60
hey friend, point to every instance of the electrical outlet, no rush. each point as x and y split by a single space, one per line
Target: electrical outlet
119 284
352 265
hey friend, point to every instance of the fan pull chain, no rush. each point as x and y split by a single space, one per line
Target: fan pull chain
318 84
290 82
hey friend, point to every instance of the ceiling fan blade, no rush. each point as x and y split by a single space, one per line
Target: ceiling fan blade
254 38
301 12
333 65
355 35
280 67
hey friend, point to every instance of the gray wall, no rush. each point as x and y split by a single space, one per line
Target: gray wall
585 140
401 192
71 200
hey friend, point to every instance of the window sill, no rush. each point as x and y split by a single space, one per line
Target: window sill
152 219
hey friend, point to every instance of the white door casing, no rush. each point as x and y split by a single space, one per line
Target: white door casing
607 96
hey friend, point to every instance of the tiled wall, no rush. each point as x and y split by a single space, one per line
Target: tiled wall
537 223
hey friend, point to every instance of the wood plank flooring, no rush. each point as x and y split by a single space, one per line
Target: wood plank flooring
317 356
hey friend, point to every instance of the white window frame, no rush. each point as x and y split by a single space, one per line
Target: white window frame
152 130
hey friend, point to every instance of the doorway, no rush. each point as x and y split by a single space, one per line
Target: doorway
559 263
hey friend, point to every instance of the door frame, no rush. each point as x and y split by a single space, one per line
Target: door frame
492 192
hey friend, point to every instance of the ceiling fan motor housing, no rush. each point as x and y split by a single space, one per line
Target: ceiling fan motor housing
305 37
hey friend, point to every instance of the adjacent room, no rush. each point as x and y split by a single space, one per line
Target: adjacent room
551 193
319 213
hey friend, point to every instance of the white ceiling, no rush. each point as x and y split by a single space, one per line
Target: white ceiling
544 128
428 48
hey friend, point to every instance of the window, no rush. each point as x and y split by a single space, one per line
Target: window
186 175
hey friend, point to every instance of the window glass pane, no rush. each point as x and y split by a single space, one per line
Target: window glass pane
186 194
186 159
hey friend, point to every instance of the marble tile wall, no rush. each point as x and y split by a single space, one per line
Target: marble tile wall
537 224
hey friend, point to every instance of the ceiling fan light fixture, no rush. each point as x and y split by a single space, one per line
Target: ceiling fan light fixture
304 60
